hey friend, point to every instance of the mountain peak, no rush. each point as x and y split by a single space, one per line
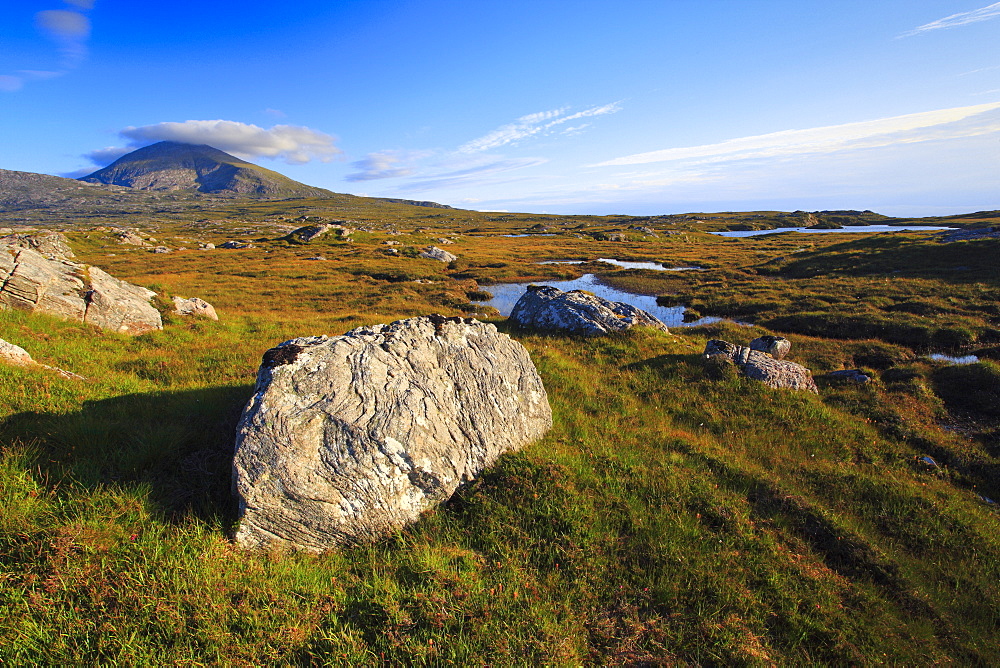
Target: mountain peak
170 165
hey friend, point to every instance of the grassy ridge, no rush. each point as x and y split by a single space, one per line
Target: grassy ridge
670 516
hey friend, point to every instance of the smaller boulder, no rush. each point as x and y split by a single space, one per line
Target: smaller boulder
206 246
775 346
236 245
757 365
196 307
578 312
435 253
14 354
850 376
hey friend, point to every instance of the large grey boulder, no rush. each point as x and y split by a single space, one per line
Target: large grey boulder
29 281
578 312
309 233
12 354
779 374
350 438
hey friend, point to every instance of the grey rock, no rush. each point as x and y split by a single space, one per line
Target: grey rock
195 306
132 238
775 346
350 438
161 249
308 233
435 253
578 312
757 365
49 244
31 282
235 244
851 376
206 246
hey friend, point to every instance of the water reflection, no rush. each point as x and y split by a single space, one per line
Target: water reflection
505 295
965 359
856 229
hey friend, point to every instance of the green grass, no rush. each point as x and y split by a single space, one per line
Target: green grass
669 517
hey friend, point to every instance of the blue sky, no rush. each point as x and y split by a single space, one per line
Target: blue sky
635 106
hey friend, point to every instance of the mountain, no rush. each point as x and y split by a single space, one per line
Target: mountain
167 166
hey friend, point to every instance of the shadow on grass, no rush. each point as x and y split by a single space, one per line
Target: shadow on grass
178 445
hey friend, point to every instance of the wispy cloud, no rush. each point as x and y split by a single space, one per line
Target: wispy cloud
294 144
385 165
910 128
70 30
538 123
960 19
477 174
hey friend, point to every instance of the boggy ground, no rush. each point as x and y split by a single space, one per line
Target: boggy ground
674 514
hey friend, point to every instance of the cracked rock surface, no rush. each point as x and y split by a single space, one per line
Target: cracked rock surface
350 438
758 365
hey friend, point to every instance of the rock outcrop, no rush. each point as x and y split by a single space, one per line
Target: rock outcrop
578 312
435 253
30 281
195 306
779 374
49 244
309 233
350 438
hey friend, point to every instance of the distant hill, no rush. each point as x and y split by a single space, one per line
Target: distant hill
171 166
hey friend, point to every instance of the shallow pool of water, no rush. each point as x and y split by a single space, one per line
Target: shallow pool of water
856 229
965 359
626 264
505 295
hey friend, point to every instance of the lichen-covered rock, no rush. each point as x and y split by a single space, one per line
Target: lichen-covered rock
31 282
850 376
350 438
308 233
435 253
578 312
775 346
779 374
239 245
195 306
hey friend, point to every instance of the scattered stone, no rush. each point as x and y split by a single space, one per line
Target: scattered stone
617 236
775 346
196 307
851 376
444 241
643 229
435 253
350 438
206 246
161 249
390 242
754 364
236 244
578 312
391 251
318 258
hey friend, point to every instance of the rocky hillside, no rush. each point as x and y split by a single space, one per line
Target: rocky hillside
170 166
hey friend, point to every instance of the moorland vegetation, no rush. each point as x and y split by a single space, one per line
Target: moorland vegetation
674 514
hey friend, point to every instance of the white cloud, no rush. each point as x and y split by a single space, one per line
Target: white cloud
294 144
384 165
910 128
960 19
530 125
479 174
